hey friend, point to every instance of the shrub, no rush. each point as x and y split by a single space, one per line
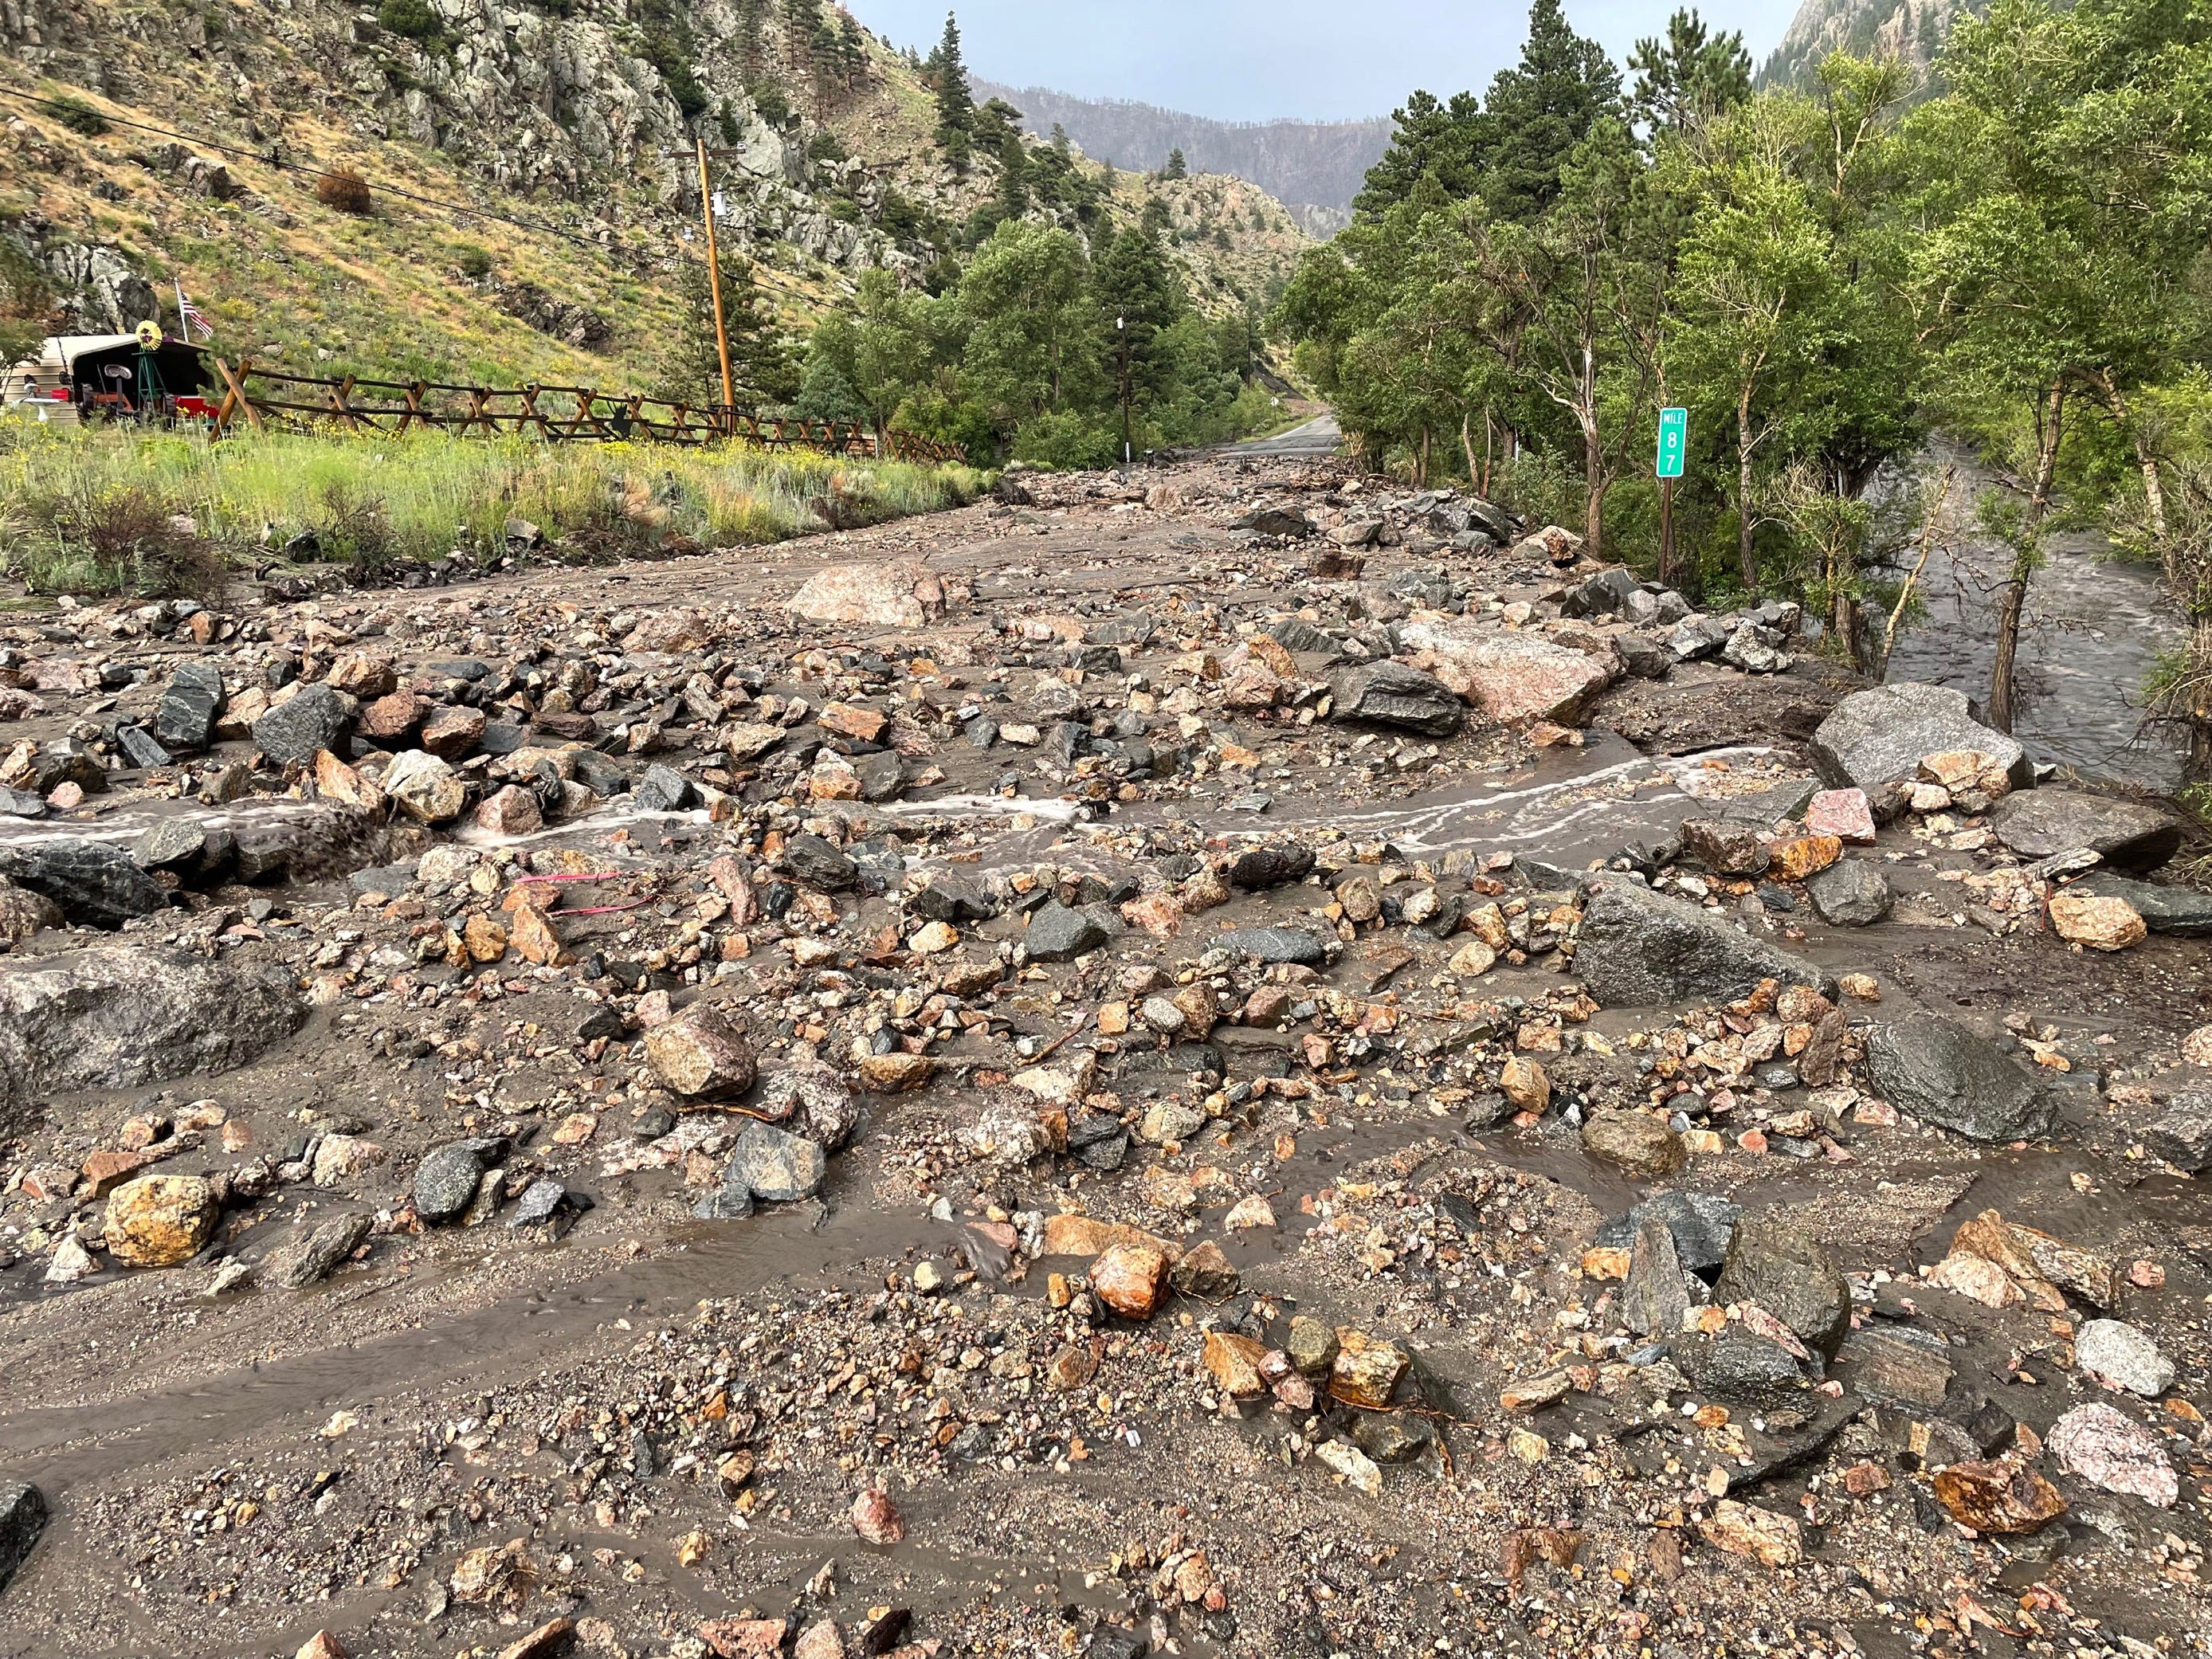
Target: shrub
92 536
344 189
413 19
473 262
79 116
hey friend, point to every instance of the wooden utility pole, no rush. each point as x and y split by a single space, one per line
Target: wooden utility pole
714 286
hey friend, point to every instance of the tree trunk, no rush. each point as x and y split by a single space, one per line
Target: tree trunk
2154 486
2049 426
2200 705
1746 562
1467 444
1593 492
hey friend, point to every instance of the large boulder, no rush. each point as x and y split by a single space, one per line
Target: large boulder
1785 1271
1943 1074
22 1518
1878 736
1511 678
96 884
310 720
1391 694
119 1019
2182 911
899 593
1638 948
2044 823
161 1221
191 706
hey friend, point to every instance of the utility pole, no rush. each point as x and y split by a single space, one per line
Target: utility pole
1121 330
714 286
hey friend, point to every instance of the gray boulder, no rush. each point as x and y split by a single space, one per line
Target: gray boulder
773 1166
814 1101
1751 1370
1605 594
1391 694
2043 822
118 1018
448 1176
318 1255
189 708
1276 944
2182 1134
1785 1271
1851 893
1878 736
293 732
1638 948
819 864
96 883
1943 1074
1057 933
1655 1295
1701 1224
22 1518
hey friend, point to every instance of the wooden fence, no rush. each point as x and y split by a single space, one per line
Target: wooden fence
555 413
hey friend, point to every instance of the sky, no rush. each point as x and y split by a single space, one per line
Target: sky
1257 60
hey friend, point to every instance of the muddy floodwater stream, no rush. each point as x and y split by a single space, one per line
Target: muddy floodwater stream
2096 626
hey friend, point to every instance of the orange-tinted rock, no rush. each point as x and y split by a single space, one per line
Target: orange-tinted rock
2001 1497
1131 1280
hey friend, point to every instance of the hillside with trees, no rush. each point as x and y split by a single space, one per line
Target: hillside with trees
459 192
2009 250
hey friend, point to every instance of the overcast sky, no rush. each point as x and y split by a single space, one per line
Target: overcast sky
1250 60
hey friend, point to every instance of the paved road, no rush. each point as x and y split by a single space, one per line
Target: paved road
1320 436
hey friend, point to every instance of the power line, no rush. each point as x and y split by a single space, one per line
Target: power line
270 159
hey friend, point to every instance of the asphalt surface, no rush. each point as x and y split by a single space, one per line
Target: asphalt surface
1318 437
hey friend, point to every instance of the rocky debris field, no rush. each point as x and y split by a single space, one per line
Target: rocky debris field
1241 1061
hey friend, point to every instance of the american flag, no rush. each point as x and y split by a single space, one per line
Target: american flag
189 317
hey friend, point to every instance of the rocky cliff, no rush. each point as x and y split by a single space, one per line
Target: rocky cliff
1912 29
537 193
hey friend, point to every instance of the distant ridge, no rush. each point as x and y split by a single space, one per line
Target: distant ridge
1313 167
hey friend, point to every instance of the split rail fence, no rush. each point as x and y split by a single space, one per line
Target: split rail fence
555 413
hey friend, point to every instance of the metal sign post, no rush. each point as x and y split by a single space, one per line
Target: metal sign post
1674 440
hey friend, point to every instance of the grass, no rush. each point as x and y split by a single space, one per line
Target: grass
97 513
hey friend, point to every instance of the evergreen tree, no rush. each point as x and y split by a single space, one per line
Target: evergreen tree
1432 140
1155 221
1692 74
1538 111
1134 284
1175 168
956 99
763 369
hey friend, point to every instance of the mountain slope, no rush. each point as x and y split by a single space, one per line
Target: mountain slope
1912 29
537 198
1314 167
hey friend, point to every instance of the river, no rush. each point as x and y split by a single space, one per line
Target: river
2096 625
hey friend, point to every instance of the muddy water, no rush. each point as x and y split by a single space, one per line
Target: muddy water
59 1447
2096 628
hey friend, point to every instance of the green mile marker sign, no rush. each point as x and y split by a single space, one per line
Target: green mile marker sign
1674 438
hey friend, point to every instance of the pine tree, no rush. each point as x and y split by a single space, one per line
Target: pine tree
763 367
1432 140
1540 110
1135 283
1690 75
955 101
1175 168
